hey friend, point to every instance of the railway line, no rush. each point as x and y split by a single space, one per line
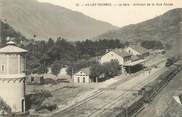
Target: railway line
125 95
104 99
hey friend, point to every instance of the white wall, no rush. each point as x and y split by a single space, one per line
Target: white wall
12 86
3 64
12 63
13 93
80 75
111 56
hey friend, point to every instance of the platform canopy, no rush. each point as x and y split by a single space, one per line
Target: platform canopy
133 63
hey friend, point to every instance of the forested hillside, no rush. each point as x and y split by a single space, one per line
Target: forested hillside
164 28
8 31
43 54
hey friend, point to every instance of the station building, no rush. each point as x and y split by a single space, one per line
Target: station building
137 50
128 58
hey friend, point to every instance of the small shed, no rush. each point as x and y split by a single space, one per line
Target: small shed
82 76
35 79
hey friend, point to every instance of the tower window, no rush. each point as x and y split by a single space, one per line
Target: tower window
129 51
32 79
78 79
83 79
2 68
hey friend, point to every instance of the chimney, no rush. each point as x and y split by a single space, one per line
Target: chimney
7 39
11 43
107 50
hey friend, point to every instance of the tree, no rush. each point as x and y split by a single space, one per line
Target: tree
34 36
76 66
152 44
50 43
42 69
106 70
96 71
55 67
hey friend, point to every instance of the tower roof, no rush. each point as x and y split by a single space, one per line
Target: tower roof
12 48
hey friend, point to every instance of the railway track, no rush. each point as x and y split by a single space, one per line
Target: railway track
80 107
109 106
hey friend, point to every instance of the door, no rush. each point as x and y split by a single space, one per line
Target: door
23 105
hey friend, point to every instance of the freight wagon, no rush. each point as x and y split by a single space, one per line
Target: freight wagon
128 110
146 94
152 89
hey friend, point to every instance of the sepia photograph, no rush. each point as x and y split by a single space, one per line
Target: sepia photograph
90 58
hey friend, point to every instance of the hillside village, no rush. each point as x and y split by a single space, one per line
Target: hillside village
121 76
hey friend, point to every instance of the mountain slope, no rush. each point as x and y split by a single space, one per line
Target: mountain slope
164 28
46 20
8 31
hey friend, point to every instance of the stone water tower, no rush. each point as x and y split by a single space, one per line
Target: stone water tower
12 77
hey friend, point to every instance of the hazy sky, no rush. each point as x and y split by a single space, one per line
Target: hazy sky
119 15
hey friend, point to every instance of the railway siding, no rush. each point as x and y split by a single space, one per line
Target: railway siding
107 98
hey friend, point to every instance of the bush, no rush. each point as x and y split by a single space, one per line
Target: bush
4 107
153 44
55 67
75 67
34 101
49 107
106 70
54 82
50 81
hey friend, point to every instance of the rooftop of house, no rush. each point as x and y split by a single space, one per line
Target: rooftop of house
85 70
180 97
121 52
12 48
138 48
134 58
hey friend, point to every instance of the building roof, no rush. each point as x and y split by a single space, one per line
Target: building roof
138 48
178 99
135 58
12 48
86 70
135 62
121 52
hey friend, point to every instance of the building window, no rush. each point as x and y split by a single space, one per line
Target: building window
32 79
83 79
78 80
129 51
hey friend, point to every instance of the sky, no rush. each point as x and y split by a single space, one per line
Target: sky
119 14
